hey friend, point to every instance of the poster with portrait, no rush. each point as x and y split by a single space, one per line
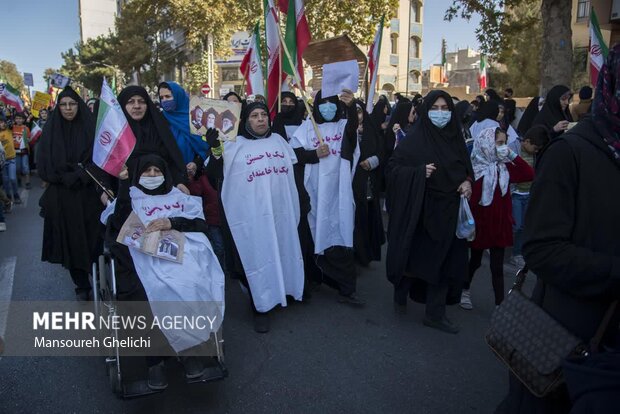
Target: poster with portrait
166 244
205 113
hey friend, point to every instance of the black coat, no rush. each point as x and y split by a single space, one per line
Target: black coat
571 242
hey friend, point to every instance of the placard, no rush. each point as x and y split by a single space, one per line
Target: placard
205 113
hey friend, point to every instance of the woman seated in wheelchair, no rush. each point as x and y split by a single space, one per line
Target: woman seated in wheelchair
180 275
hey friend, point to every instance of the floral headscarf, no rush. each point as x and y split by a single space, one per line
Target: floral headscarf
488 166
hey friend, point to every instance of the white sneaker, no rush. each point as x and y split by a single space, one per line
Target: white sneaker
2 226
517 261
466 300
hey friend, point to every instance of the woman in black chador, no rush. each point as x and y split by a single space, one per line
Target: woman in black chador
70 204
427 175
368 234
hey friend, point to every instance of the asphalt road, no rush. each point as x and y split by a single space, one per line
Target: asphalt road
320 356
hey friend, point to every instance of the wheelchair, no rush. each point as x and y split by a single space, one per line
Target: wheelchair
118 368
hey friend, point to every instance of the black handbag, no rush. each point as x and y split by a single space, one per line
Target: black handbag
532 344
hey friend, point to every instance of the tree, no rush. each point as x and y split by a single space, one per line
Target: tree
139 45
87 63
522 49
10 74
496 28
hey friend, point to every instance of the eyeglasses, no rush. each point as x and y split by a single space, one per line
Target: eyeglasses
68 104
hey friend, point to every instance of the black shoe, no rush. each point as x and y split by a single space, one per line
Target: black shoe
443 325
352 300
157 377
400 309
261 322
194 368
82 295
17 200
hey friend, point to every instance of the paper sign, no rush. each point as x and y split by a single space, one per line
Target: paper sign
40 101
205 113
338 76
28 80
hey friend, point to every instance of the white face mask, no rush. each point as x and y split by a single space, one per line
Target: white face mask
502 151
151 183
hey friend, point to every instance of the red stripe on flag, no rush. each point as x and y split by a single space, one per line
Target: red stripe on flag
120 152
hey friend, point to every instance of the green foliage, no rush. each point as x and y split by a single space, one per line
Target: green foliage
10 74
87 63
357 18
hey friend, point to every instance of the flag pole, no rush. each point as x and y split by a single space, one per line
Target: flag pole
365 81
303 93
105 190
279 62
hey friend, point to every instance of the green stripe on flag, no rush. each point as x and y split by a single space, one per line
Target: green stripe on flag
597 32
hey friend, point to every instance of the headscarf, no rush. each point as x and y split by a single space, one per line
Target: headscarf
232 93
425 144
189 144
401 116
551 112
607 102
377 116
63 143
294 116
462 111
487 118
147 161
488 166
152 132
525 123
494 96
318 100
369 139
247 131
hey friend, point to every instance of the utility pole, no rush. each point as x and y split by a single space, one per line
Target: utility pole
211 64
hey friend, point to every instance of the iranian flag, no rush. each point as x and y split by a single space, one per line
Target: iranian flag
296 38
114 139
482 76
10 96
598 49
373 65
35 133
251 66
275 75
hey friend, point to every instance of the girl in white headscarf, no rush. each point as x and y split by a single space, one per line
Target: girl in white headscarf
495 167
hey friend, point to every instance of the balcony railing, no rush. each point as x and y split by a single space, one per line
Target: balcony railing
416 30
415 64
395 25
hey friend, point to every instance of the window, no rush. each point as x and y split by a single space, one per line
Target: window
414 47
415 11
583 9
394 43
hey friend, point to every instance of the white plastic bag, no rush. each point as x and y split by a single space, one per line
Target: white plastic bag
465 225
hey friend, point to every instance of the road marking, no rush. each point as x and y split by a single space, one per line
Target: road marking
7 273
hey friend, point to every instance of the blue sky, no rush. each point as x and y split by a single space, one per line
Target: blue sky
45 28
458 33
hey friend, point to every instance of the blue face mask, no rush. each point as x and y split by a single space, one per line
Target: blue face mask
328 110
169 105
439 118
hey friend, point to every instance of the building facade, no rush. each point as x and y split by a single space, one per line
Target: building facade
97 17
400 62
608 14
